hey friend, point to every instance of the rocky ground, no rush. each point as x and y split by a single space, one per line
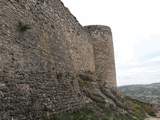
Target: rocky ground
147 93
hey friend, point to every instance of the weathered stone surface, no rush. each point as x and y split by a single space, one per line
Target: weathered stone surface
104 54
55 39
42 49
31 96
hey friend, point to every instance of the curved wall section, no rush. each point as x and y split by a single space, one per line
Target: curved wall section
104 53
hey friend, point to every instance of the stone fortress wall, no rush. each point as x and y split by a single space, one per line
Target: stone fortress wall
42 49
103 53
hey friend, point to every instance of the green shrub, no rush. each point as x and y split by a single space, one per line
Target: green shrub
23 27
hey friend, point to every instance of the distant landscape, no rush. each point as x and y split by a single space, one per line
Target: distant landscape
148 93
52 67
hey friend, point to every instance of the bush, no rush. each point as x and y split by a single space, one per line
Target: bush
23 27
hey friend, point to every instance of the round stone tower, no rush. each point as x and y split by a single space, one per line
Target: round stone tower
104 54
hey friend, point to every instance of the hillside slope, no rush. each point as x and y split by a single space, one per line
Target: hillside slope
102 103
148 93
129 109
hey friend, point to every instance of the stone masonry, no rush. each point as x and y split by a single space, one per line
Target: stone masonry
103 53
43 48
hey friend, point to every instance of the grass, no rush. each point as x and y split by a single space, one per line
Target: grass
88 114
140 108
138 111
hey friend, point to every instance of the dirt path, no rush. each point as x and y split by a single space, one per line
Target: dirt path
158 114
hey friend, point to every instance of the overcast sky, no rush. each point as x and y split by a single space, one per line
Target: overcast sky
136 34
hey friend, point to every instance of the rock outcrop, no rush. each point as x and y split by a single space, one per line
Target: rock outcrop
43 49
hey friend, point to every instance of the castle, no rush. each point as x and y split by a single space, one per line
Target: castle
43 49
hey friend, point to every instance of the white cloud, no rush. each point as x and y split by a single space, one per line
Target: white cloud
144 72
136 33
